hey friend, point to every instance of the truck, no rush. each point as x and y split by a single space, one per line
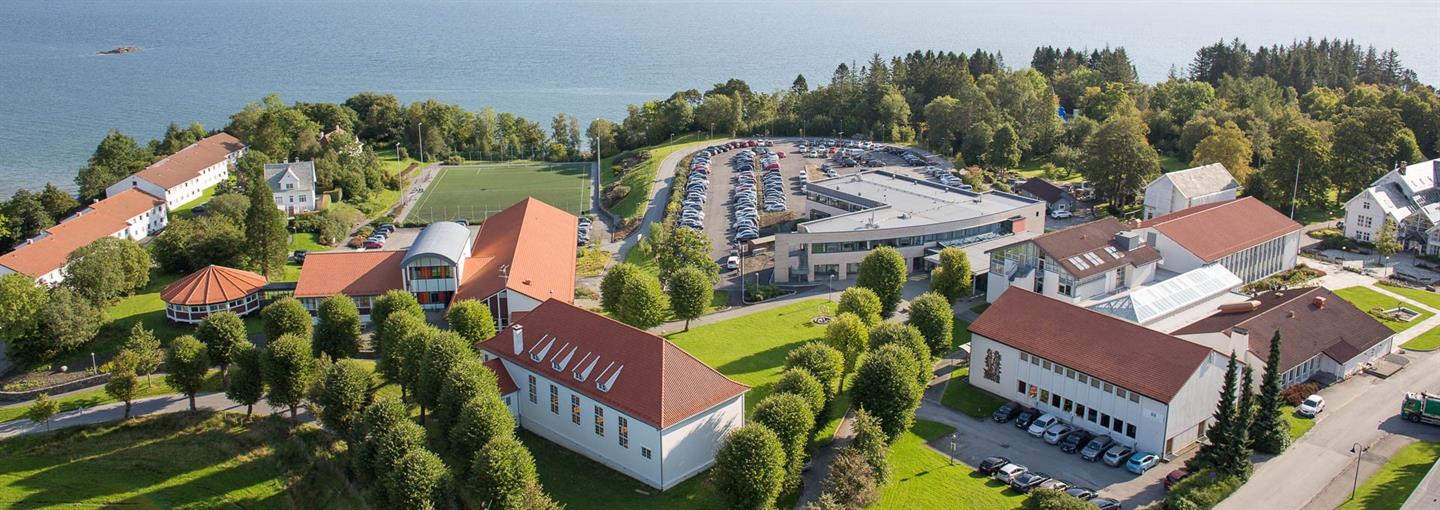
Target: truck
1423 407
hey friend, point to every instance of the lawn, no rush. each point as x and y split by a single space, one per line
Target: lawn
184 210
591 261
476 191
960 335
1298 425
1389 487
391 163
177 460
1429 340
921 477
1032 168
961 396
580 483
640 178
1170 163
96 396
1367 299
144 307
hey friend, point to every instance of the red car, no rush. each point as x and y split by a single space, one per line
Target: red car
371 244
1174 477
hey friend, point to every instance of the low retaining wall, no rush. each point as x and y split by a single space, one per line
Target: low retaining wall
21 396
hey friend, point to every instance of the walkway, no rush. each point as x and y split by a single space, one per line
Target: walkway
660 187
416 188
142 407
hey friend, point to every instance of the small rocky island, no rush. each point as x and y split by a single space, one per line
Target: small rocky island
121 50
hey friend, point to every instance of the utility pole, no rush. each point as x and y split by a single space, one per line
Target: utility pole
1295 191
420 130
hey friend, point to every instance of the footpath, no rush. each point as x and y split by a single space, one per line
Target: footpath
163 404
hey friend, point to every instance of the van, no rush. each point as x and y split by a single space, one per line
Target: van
1038 427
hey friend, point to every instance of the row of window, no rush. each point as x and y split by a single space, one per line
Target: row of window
1077 409
1258 261
219 307
431 272
622 424
1300 373
1084 378
921 240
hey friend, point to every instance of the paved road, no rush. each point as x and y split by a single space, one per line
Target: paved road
659 189
143 407
416 188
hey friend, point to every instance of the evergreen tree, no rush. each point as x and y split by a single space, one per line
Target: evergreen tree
1269 431
1237 454
265 236
1222 432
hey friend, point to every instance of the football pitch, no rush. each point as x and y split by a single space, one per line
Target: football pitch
475 191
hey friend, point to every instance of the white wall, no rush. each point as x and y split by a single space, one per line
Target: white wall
1158 198
137 183
1174 258
1363 204
689 446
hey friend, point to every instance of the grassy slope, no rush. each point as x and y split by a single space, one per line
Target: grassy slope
96 396
921 477
1366 299
961 396
1298 425
1390 486
184 210
581 483
178 460
640 178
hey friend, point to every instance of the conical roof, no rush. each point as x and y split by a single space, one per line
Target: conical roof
212 284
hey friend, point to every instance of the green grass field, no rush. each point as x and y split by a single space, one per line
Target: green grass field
175 461
1367 299
1389 487
640 178
476 191
96 395
961 396
1298 425
1429 340
921 477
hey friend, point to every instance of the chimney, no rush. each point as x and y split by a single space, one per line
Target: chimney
1401 168
517 334
1319 302
1239 341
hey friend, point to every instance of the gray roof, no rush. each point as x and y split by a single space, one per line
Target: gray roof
445 239
1202 180
303 170
894 200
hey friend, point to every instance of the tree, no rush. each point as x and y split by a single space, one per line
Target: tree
1238 451
1004 152
825 363
289 369
1228 146
642 304
443 353
123 382
952 278
395 302
931 314
790 417
684 248
466 380
247 379
911 340
107 269
265 235
883 272
612 286
690 293
286 316
871 440
187 245
799 382
1365 145
186 366
146 348
885 385
501 471
419 481
1221 434
1269 431
223 333
391 338
862 302
1299 144
67 321
482 419
847 334
21 301
340 397
1119 159
379 425
387 446
471 319
338 332
1387 244
56 202
850 483
115 158
749 468
42 410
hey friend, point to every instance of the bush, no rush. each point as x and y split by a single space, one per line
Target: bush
885 385
851 481
1201 491
1049 499
614 193
800 382
862 302
749 468
821 361
419 481
1295 394
790 418
455 160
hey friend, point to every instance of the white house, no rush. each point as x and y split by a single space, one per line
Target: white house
293 186
184 176
1249 238
1096 372
1078 263
618 395
1408 196
1184 189
129 214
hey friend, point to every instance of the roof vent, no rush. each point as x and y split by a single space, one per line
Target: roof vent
1319 302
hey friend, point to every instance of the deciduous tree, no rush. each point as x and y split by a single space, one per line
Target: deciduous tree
952 278
790 417
393 302
482 419
749 468
862 302
340 397
223 333
286 316
501 471
848 335
107 269
42 410
885 385
883 271
690 293
67 321
931 314
911 340
1119 160
642 304
289 370
471 319
443 353
824 362
419 481
247 378
146 348
612 286
337 333
1228 146
21 301
123 383
800 382
186 366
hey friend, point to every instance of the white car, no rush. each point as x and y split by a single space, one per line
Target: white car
1312 406
1045 421
732 262
1060 214
1008 472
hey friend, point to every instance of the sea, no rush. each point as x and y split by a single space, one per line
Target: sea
202 60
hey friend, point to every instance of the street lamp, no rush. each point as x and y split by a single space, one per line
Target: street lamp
1359 452
420 130
93 368
953 441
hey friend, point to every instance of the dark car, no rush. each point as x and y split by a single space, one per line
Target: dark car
299 256
1174 477
1007 412
988 466
1028 481
1025 418
1084 493
1105 503
1095 448
463 222
1074 441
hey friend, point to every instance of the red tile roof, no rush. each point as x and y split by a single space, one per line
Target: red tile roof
1139 359
352 273
186 164
507 385
534 242
212 284
1339 329
1212 231
653 380
101 219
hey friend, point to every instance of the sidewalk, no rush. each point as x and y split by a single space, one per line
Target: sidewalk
144 407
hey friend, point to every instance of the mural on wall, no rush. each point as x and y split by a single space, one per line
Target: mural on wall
992 365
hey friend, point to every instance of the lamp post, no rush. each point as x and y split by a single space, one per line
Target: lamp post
420 130
1359 452
93 368
953 441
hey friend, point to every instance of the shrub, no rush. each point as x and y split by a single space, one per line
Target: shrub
614 193
790 418
800 382
851 481
455 160
286 315
419 481
822 361
749 468
501 471
1050 499
1295 394
885 385
1201 491
862 302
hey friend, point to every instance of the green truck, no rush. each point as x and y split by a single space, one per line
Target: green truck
1421 407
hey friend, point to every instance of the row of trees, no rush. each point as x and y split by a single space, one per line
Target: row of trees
681 288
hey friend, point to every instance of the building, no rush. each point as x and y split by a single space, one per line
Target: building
129 214
293 185
1056 198
1083 262
1246 236
1323 337
1183 189
1406 196
212 289
1173 299
1096 372
522 256
618 395
850 215
184 176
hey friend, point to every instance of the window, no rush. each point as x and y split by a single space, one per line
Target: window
1083 378
1080 410
1091 414
1130 431
1055 399
1104 420
1044 395
1068 405
532 389
554 399
1134 397
1024 356
575 409
1120 392
644 452
624 428
1094 383
1046 365
1365 204
1069 373
599 421
1034 361
1020 387
1117 425
1059 369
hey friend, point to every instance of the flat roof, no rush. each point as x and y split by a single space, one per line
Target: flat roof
979 253
901 201
1171 295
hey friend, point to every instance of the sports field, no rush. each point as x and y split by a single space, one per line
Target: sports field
475 191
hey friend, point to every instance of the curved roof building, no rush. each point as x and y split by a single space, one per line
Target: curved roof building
210 290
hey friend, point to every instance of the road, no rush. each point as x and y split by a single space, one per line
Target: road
142 407
659 192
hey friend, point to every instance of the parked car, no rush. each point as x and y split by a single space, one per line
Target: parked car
1057 433
1006 412
1027 481
299 256
1060 214
1312 406
373 244
463 222
1095 448
732 262
1008 472
1141 462
1054 484
1075 440
1084 493
1174 477
1118 454
1026 417
1041 424
988 466
1106 503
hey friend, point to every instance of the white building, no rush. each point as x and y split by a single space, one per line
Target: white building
184 176
1096 372
293 186
852 214
620 396
1079 263
1184 189
128 214
1407 196
1249 238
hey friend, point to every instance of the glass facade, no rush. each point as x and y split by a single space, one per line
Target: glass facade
1259 261
921 240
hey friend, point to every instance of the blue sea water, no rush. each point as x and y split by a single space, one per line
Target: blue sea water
204 59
